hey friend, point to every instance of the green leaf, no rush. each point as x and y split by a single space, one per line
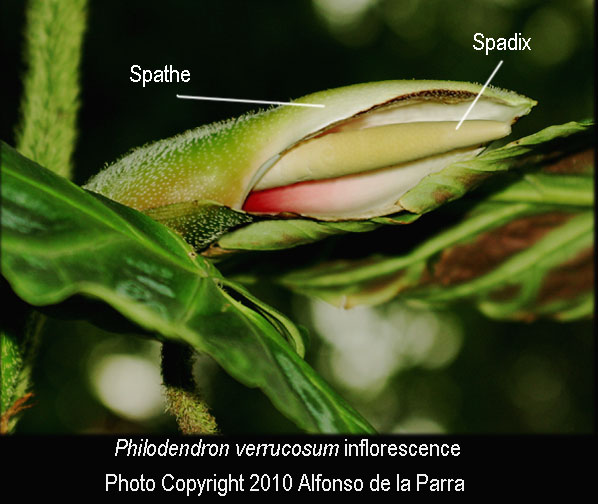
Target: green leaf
522 250
59 241
513 261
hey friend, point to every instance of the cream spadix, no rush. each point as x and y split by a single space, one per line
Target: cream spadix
370 141
355 151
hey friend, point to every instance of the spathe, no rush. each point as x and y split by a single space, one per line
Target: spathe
227 161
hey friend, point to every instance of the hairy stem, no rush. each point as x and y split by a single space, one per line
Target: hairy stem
183 400
46 133
54 35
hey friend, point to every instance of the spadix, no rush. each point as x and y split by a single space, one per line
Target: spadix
352 159
356 151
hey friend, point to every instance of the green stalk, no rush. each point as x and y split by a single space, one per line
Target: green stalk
46 133
182 398
53 36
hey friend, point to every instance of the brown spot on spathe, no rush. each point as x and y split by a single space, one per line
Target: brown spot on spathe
442 195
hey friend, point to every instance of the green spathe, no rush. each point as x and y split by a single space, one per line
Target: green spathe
223 162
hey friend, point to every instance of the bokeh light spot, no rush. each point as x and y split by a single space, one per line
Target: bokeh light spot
369 345
129 386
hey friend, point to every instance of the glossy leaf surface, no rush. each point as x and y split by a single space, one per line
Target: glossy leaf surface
59 241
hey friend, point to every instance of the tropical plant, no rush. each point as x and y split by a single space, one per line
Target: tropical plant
175 235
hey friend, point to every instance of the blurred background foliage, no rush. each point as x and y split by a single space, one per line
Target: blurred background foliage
405 368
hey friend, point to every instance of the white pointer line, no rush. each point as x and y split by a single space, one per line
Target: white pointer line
479 94
236 100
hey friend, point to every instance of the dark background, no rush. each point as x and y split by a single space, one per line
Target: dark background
276 50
